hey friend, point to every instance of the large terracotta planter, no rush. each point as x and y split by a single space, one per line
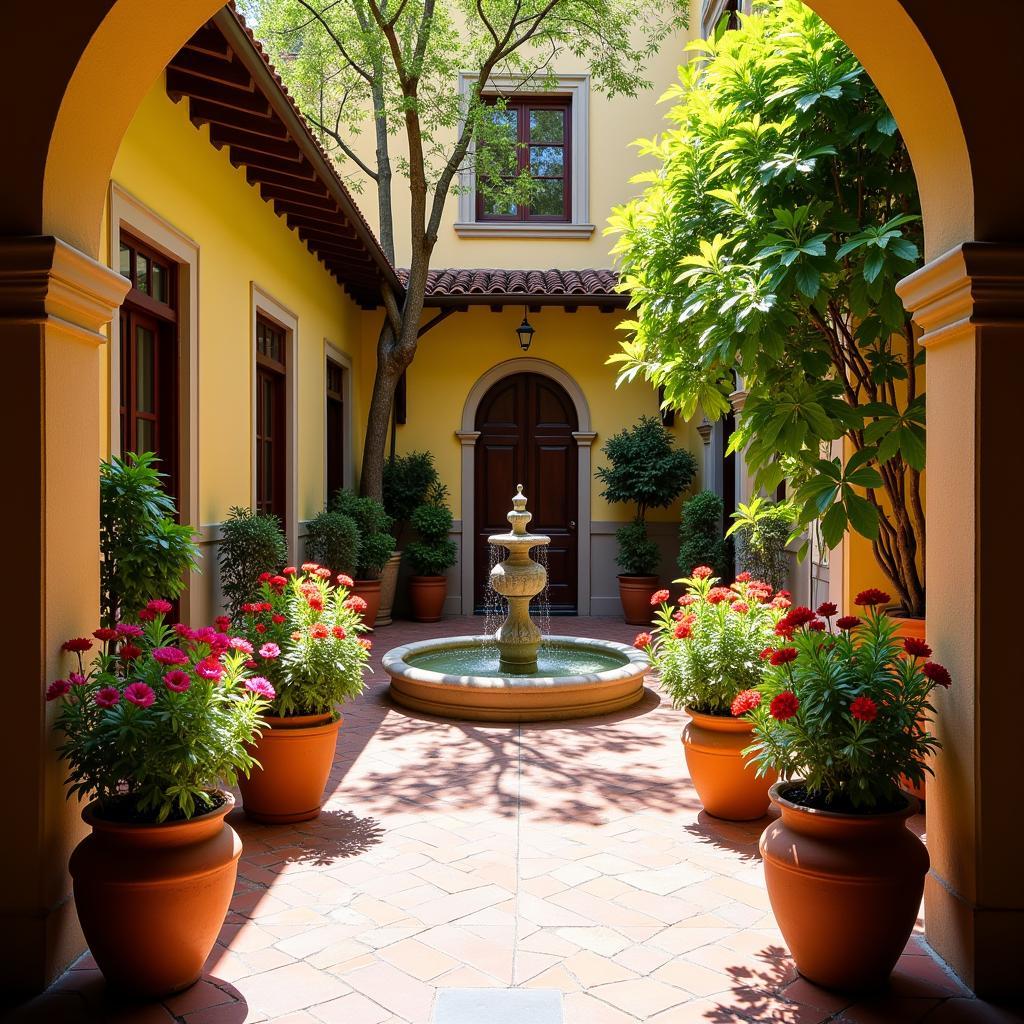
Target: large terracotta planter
427 595
727 787
369 591
152 898
907 627
388 586
845 888
635 594
295 755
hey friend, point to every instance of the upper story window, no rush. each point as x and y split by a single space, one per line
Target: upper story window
541 128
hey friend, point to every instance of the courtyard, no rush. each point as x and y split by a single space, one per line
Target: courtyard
569 858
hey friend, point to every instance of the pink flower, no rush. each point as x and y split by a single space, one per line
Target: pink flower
146 615
745 702
77 679
210 669
269 650
177 681
659 597
239 643
324 574
160 606
365 644
183 631
107 697
702 572
740 606
128 629
57 689
688 599
344 580
170 656
743 577
139 694
261 686
355 604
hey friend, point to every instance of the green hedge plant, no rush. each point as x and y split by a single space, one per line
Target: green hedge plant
376 542
701 538
408 480
333 540
435 552
252 544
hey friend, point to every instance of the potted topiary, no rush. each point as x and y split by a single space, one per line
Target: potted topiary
842 716
407 482
332 540
762 531
376 545
251 544
709 653
701 537
152 727
302 633
648 471
431 556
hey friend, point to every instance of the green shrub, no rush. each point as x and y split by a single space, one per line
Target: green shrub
701 540
435 552
638 554
376 543
252 544
145 552
762 530
333 541
408 480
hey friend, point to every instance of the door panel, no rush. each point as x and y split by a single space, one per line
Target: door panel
526 423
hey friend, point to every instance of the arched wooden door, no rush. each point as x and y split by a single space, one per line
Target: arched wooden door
526 425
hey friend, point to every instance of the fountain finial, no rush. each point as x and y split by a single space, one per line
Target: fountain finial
519 517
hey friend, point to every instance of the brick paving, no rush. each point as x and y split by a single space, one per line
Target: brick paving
571 857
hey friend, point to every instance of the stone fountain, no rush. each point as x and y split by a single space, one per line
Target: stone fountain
516 674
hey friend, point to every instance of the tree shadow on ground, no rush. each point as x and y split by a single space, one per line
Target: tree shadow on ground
738 837
321 842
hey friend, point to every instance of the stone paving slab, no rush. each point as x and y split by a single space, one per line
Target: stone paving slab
569 859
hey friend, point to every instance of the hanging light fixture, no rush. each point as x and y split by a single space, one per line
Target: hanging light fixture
525 332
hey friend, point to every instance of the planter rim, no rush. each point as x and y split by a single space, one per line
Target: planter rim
92 817
633 578
282 722
720 723
369 584
414 578
777 791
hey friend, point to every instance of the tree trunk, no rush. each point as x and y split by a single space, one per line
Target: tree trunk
378 419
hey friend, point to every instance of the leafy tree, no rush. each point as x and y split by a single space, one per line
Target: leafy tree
769 242
392 66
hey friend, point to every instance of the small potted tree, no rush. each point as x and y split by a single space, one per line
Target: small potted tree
431 556
252 544
701 537
376 546
332 541
710 652
302 634
152 726
843 716
645 470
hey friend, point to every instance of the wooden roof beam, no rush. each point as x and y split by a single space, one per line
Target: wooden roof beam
209 40
214 69
332 226
184 83
286 149
211 112
300 196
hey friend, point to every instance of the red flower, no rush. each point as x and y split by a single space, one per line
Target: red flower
279 583
355 604
766 653
718 594
916 647
688 599
266 606
642 641
139 694
316 602
817 625
797 617
146 615
338 632
744 702
864 709
783 629
277 619
318 631
169 656
783 656
264 577
210 668
827 610
872 596
107 697
129 652
365 644
105 635
183 631
848 622
743 577
740 606
260 628
346 581
659 597
261 686
683 631
784 705
77 645
57 689
702 572
938 674
177 681
288 570
160 606
223 623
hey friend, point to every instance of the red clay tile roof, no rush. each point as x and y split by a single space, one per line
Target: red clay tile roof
502 287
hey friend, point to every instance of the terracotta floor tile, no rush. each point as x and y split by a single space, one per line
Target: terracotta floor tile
290 988
354 1008
642 997
417 959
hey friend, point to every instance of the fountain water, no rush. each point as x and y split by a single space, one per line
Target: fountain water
567 677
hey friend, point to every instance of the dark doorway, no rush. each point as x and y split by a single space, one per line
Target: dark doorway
526 425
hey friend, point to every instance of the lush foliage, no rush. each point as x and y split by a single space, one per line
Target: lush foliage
376 543
638 555
160 716
762 531
768 244
701 537
709 649
252 544
435 552
145 552
333 540
846 709
302 633
408 480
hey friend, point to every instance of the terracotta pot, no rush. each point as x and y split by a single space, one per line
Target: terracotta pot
369 591
915 628
635 594
845 888
727 787
388 586
296 755
152 898
427 595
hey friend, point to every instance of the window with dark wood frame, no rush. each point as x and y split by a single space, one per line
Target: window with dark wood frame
335 427
542 129
271 420
149 357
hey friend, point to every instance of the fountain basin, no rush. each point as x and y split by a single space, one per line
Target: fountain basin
454 677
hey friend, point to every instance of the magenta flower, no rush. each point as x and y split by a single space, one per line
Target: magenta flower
269 650
107 697
170 656
57 689
261 686
127 629
239 643
160 606
139 694
177 681
78 679
210 669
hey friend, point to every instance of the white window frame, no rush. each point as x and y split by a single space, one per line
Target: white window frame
577 88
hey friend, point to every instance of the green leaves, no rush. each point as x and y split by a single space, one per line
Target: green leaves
830 496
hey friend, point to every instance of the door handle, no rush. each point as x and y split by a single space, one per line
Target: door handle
572 524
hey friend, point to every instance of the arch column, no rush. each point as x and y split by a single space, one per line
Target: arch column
54 305
970 305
